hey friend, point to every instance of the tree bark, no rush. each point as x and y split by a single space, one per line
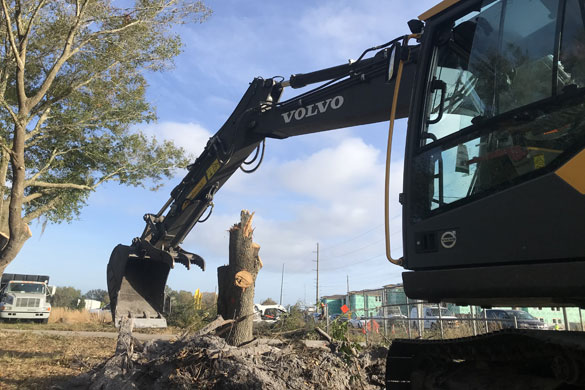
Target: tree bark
236 281
11 248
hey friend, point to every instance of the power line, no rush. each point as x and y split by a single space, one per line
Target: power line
353 238
360 248
352 264
356 250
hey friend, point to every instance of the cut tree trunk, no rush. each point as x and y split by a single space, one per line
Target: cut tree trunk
236 281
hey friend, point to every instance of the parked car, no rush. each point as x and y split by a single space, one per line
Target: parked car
360 322
104 313
317 317
504 318
338 317
357 322
431 317
394 314
268 313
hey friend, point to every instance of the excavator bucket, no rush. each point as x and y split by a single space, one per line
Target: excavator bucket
136 287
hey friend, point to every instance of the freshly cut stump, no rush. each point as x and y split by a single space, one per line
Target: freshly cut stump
236 281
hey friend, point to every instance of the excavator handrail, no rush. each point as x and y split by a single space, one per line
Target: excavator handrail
400 260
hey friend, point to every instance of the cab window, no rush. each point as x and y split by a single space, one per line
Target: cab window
505 100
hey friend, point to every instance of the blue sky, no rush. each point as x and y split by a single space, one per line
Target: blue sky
324 188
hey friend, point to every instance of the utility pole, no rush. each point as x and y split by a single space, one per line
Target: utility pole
281 283
347 299
317 290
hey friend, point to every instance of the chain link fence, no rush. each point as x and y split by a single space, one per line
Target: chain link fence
420 319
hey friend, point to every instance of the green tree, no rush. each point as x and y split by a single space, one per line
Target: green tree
208 299
68 297
71 90
183 313
268 301
98 295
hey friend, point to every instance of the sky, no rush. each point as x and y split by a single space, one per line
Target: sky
324 189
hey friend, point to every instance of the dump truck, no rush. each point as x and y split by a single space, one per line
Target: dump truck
25 297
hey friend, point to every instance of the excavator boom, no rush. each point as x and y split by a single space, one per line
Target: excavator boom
352 94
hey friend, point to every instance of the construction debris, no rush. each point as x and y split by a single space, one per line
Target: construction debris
206 361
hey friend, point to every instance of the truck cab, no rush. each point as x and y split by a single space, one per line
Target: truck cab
25 297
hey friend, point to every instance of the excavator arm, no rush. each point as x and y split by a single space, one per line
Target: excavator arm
352 94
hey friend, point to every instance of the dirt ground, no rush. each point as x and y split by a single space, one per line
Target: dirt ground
29 361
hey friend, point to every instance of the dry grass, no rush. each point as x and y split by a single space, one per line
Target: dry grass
76 320
67 319
32 361
63 315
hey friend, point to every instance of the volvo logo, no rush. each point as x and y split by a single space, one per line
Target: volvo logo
313 109
449 239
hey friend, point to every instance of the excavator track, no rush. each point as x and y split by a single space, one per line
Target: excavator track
507 359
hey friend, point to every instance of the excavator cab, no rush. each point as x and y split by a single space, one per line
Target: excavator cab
493 203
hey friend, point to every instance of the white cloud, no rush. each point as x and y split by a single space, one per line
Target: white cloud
280 39
344 29
324 175
190 136
331 195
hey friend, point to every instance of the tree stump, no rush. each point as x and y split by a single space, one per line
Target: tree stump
236 281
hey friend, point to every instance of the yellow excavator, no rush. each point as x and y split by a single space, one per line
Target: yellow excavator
493 199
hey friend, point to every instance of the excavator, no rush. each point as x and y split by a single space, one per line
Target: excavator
493 199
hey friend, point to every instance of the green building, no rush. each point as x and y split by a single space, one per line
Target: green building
334 303
387 300
365 303
394 295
